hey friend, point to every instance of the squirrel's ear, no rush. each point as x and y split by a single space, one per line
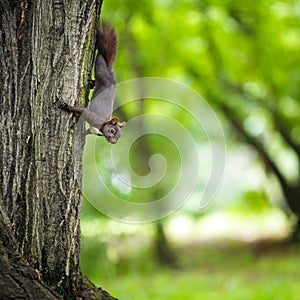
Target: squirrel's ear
114 121
122 124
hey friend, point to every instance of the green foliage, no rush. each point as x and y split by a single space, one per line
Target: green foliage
242 56
254 201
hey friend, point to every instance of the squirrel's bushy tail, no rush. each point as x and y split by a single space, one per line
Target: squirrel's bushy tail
107 42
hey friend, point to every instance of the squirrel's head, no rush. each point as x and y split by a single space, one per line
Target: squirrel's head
111 130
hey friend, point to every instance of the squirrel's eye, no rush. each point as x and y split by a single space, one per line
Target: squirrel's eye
112 131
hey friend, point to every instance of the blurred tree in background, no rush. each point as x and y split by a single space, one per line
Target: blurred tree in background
243 58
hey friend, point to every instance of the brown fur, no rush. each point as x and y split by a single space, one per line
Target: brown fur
107 43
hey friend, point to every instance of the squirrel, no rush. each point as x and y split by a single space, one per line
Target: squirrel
98 114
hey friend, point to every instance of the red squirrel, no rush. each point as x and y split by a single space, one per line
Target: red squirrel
98 114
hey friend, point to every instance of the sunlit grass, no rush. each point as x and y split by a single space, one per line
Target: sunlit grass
220 272
227 265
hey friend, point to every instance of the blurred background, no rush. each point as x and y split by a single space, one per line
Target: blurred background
243 58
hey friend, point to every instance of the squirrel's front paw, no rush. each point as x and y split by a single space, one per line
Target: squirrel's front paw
62 105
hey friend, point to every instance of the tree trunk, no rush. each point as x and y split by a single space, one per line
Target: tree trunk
164 253
46 50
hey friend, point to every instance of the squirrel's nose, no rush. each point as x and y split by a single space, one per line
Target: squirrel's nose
113 141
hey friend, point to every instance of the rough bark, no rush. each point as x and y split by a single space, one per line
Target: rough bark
46 50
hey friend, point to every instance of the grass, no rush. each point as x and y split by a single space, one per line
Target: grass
219 257
210 271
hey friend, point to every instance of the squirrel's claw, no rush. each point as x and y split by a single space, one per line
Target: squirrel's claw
62 105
